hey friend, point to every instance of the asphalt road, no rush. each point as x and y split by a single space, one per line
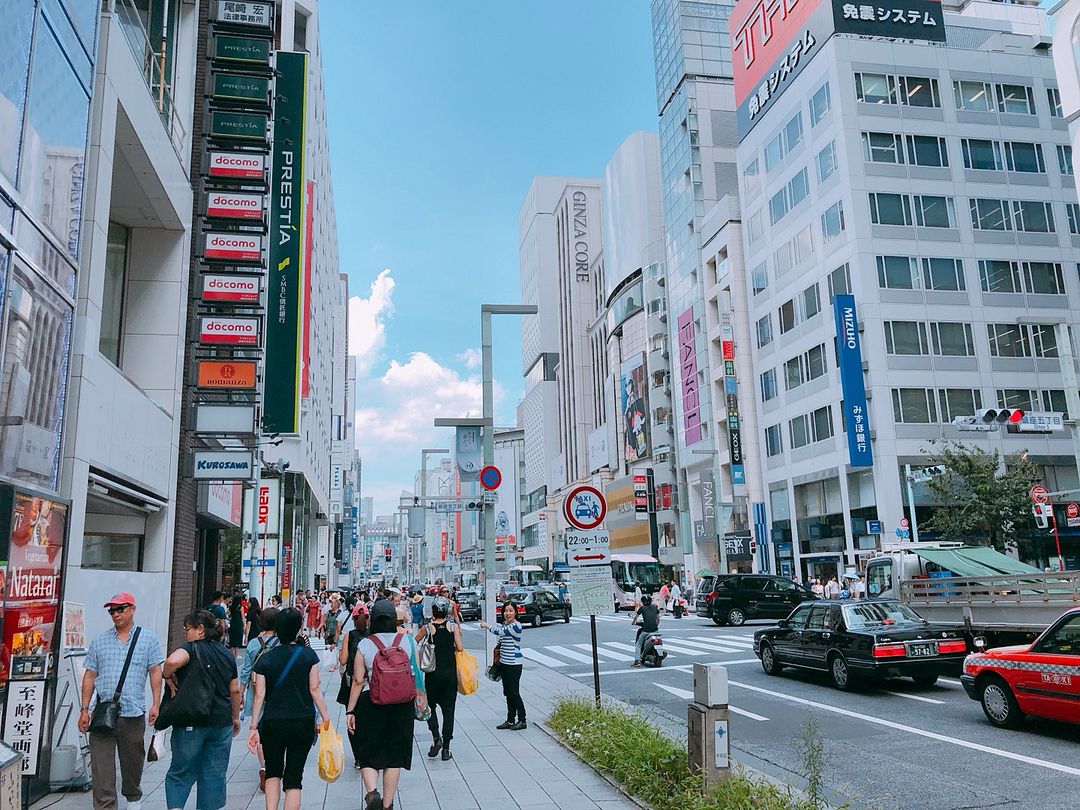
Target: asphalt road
894 747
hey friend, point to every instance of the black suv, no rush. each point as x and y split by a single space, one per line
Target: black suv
736 598
469 603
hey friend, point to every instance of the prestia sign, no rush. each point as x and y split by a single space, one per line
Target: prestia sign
234 205
230 289
236 166
228 374
233 247
230 331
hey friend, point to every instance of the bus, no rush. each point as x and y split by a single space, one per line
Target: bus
528 575
629 571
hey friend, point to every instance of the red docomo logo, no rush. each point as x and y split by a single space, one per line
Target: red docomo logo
230 327
234 202
231 284
234 242
237 161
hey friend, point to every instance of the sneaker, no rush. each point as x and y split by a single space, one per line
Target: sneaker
373 801
507 725
435 746
636 664
520 725
446 755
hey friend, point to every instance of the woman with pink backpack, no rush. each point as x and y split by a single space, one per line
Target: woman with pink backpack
384 678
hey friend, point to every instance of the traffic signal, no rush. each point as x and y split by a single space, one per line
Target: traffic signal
389 554
474 506
1044 513
1001 416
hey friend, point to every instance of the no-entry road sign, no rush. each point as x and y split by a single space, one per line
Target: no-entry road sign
1039 494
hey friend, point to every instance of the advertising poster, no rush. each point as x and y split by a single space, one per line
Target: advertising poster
635 410
74 626
507 502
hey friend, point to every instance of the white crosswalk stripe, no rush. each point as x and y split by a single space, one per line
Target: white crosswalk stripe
714 646
571 654
607 653
540 658
733 641
675 648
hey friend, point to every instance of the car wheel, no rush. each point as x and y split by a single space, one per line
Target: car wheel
999 704
537 621
768 660
924 680
840 673
566 617
736 617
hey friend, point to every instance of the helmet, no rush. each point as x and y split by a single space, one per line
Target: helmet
440 608
646 599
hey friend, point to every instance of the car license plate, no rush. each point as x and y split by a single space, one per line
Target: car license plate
921 650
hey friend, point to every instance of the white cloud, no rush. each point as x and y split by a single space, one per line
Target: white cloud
471 358
367 322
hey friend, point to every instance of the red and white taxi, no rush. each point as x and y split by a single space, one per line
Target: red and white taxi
1042 678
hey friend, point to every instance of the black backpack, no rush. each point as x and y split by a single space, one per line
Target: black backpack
193 701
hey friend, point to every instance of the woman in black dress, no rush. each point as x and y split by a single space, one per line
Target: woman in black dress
253 619
237 630
441 683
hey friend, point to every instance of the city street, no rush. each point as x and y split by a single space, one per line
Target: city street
896 746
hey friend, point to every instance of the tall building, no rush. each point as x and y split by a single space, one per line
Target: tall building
560 237
718 485
911 221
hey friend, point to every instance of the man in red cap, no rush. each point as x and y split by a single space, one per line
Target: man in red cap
104 665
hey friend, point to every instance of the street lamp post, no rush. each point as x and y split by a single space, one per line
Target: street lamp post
427 451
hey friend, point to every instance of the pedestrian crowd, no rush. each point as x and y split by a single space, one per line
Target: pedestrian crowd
853 586
401 660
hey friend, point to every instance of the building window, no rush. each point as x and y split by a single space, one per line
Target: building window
799 431
759 278
112 299
799 248
774 441
768 385
805 367
1044 278
918 91
1053 98
1054 400
826 162
793 132
882 147
815 362
927 150
952 339
1024 157
821 423
755 227
1072 210
934 212
793 373
914 406
972 96
1033 216
764 331
897 273
1043 341
1017 398
774 151
1015 98
890 209
956 402
839 282
1065 161
809 303
751 177
943 274
906 338
990 215
797 190
820 104
785 140
982 154
113 552
786 316
875 88
832 221
1008 340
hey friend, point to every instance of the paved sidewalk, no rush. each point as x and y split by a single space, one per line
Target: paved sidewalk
500 770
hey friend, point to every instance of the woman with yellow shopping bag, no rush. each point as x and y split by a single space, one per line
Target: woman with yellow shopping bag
441 683
287 693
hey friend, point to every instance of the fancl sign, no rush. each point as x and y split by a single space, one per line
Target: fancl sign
230 289
229 331
233 205
233 247
222 465
237 165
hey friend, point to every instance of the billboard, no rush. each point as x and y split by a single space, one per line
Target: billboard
227 288
285 305
849 357
691 397
236 165
269 507
228 374
635 408
229 331
628 534
773 40
233 247
234 205
223 465
507 497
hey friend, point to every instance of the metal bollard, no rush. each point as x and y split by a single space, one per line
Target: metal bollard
708 741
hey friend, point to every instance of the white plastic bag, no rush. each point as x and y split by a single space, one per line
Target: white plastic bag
156 749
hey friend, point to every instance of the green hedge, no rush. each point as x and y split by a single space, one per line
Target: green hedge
650 765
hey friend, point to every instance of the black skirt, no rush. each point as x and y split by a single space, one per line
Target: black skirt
384 734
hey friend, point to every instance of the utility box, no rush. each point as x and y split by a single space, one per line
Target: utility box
710 685
11 765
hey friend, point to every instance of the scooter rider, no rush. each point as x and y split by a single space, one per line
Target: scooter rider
650 623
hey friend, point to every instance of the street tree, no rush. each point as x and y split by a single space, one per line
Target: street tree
976 501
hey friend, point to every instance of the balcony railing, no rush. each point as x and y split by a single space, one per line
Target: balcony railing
151 57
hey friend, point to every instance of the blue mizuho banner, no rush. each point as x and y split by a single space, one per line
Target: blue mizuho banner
851 382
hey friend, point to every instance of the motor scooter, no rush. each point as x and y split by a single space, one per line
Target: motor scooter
652 650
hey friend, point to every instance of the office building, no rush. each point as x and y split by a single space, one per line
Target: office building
911 226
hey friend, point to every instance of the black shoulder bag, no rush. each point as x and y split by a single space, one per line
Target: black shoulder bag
193 701
106 714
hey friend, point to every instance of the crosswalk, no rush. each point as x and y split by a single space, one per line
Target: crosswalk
691 648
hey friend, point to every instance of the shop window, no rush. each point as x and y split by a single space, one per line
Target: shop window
113 552
112 299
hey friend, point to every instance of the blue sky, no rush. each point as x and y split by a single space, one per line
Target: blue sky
440 115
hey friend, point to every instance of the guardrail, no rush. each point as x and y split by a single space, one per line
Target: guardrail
1060 590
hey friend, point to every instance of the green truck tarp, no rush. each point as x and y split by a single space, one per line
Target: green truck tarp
974 561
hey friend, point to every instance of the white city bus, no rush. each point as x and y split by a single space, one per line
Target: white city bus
629 571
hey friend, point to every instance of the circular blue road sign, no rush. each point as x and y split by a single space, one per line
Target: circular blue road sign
490 477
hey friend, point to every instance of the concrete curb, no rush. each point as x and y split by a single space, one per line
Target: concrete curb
544 727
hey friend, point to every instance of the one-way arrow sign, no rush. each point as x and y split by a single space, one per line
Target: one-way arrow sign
588 548
598 556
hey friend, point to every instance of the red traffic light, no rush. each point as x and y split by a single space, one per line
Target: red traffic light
388 555
1015 416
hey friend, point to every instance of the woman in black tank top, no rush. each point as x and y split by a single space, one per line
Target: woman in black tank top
441 683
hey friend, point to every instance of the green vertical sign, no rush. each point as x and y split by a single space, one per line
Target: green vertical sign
285 302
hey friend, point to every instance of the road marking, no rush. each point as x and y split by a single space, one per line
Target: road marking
682 693
579 620
618 645
540 658
601 651
571 654
740 642
950 681
674 647
914 697
1042 763
683 668
713 646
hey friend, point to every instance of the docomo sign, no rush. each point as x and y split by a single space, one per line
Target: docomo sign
761 31
233 205
239 165
233 331
233 289
237 247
